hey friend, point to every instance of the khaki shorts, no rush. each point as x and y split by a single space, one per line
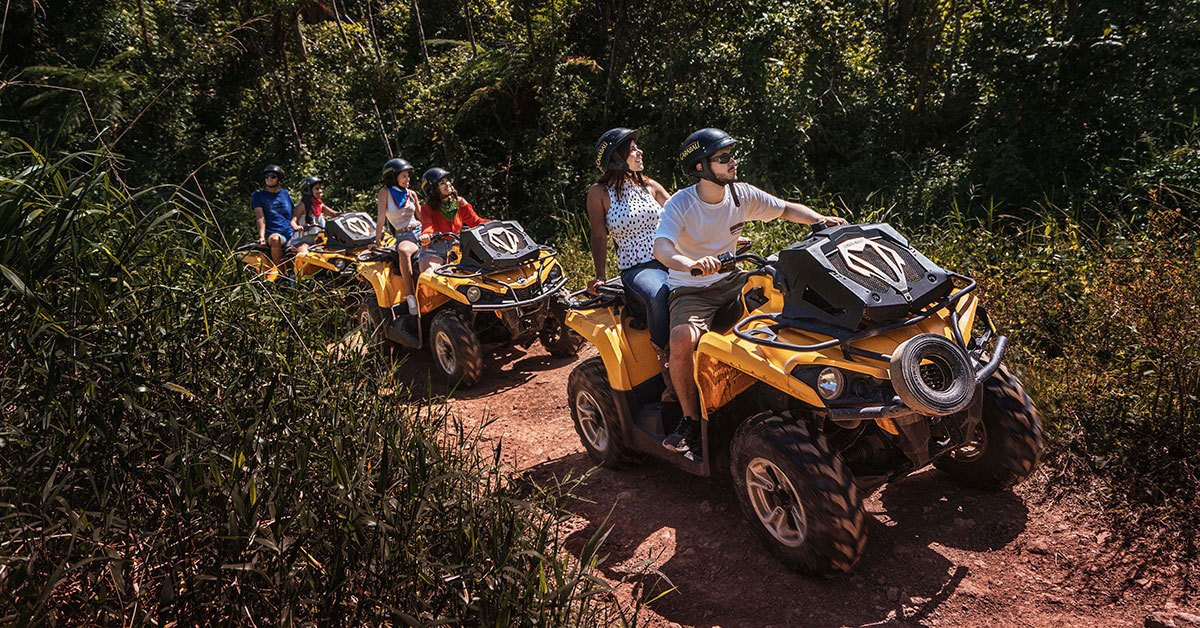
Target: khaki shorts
696 306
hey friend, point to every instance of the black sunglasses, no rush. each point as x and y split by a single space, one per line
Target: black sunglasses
724 158
270 175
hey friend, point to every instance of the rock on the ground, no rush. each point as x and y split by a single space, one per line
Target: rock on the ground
1038 546
1186 619
1159 620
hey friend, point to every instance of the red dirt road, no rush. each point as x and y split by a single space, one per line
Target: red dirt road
937 554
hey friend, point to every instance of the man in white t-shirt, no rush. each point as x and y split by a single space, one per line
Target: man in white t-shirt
699 223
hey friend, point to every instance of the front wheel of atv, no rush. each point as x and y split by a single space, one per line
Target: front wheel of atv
559 340
595 414
455 347
372 317
1007 443
798 495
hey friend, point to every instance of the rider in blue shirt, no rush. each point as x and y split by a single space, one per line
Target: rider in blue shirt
273 209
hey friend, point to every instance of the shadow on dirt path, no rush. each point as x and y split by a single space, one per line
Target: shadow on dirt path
504 370
937 554
692 532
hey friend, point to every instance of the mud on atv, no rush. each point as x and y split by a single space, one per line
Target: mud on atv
848 361
498 288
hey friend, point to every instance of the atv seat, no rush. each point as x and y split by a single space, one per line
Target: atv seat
380 253
727 315
635 310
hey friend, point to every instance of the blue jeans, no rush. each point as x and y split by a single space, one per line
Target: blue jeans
647 282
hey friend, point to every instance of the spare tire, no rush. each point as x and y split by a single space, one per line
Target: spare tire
932 375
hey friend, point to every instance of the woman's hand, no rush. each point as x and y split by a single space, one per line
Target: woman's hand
593 286
425 238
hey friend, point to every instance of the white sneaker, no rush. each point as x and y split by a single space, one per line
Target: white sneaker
412 304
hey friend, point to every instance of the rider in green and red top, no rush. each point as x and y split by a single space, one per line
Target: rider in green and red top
443 211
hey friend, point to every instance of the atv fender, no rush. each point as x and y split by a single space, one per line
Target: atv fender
388 286
629 358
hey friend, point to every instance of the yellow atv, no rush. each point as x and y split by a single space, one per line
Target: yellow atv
498 288
331 255
848 361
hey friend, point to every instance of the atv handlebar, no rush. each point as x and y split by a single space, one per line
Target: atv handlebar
729 261
375 254
443 235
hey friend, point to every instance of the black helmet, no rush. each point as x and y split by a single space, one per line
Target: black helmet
273 169
431 179
394 167
698 147
608 148
307 184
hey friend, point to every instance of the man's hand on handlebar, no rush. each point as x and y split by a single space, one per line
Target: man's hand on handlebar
425 237
593 286
705 266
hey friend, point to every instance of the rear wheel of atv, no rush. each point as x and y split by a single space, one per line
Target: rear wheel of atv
559 340
1007 443
798 495
595 416
455 348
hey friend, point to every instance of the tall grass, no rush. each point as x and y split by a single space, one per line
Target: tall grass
180 444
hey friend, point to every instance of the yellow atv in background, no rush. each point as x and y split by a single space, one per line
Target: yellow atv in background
849 360
498 287
332 254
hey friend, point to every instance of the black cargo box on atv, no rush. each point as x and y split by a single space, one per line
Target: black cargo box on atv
857 275
496 245
354 230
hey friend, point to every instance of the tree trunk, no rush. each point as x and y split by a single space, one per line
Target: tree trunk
337 16
470 27
141 21
299 25
421 34
374 35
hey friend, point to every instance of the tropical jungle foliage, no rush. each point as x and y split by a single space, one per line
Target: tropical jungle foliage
178 441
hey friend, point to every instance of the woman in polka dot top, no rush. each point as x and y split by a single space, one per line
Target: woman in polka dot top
626 205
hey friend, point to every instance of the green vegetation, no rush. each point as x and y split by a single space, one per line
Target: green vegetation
180 444
177 441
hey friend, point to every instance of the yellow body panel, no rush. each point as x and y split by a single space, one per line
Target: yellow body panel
721 359
434 290
313 262
388 286
628 355
262 263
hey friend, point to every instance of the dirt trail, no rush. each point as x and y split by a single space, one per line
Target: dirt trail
937 555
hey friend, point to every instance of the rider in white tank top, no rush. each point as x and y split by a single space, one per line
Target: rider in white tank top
402 218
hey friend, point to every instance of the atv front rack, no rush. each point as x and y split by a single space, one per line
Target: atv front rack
768 336
450 270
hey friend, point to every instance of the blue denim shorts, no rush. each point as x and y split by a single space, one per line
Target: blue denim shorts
411 235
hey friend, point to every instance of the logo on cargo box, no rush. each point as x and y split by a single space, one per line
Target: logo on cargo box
854 253
358 226
504 240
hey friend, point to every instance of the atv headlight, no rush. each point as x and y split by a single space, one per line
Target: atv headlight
830 383
473 293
